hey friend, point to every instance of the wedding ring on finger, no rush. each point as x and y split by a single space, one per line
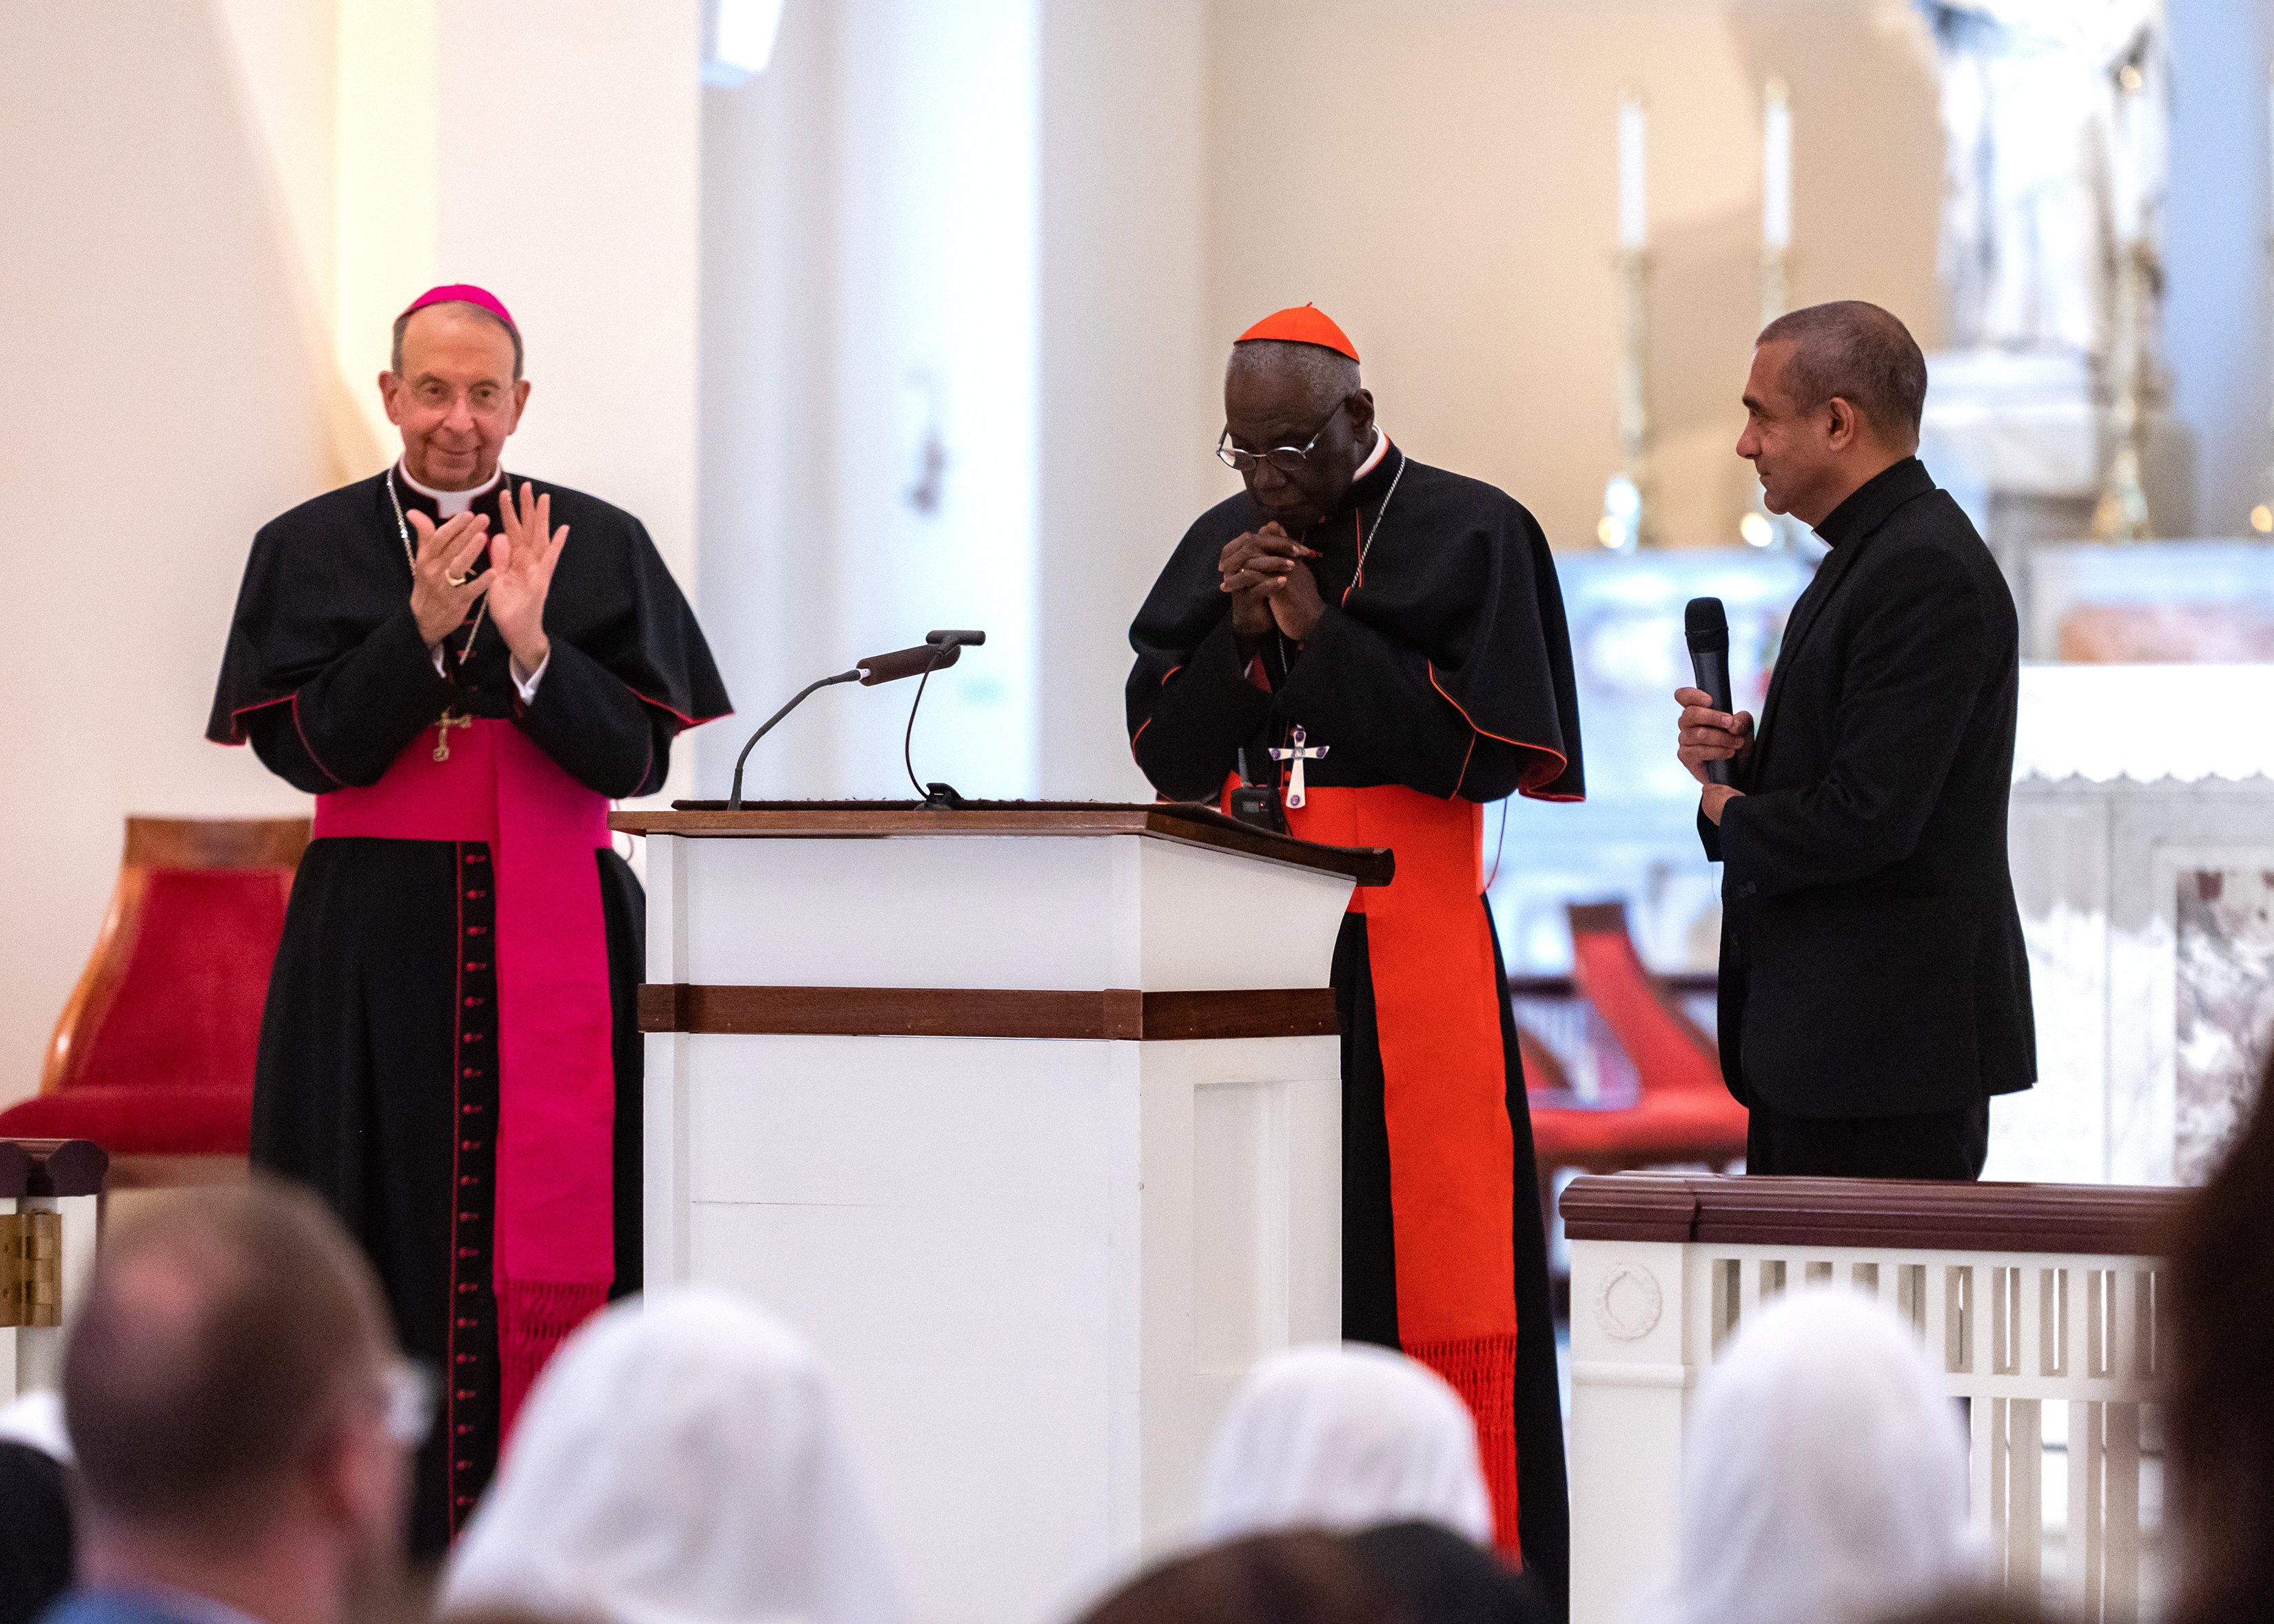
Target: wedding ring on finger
458 580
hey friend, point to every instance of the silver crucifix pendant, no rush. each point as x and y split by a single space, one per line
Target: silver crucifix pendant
1297 754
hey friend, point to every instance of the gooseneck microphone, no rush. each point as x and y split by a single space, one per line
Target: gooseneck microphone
945 647
1706 624
938 651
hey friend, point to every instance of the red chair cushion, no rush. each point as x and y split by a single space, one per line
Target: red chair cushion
186 1011
1667 1055
147 1118
1657 1128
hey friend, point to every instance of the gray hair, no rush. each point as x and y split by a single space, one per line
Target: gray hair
1326 375
1855 352
395 362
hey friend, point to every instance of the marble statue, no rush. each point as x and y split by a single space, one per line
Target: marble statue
2052 116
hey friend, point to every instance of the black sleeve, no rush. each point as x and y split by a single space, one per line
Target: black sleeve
1375 698
347 724
1189 725
586 718
1917 662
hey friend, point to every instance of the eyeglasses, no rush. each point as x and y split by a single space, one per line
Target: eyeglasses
1286 459
409 1391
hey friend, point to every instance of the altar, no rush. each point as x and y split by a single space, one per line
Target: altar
1028 1116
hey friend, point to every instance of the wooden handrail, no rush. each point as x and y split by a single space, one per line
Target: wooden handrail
1910 1215
1168 820
1682 983
52 1167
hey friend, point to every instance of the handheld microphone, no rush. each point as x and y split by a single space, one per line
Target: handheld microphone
1706 625
929 656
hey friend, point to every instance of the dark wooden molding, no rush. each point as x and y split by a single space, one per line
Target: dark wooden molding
841 820
1922 1214
215 842
1122 1013
154 1170
1681 983
52 1167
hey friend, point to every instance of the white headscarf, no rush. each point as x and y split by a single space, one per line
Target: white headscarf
1340 1438
1823 1474
36 1420
680 1463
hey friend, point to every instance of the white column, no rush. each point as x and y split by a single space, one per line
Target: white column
1132 390
936 383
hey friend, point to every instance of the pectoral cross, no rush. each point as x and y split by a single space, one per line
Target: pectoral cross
1296 752
450 719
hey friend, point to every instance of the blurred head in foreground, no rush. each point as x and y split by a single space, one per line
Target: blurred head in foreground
1823 1474
1307 1578
681 1459
1343 1437
2219 1417
241 1421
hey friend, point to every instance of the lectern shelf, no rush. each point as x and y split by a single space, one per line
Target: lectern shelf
1030 1114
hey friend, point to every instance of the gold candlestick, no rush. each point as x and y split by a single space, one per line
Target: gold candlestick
1628 520
1759 528
2121 513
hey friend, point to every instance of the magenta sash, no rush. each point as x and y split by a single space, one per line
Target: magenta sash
553 1251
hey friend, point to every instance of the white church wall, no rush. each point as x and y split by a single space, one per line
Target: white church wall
161 402
770 311
1131 395
872 218
1441 176
189 193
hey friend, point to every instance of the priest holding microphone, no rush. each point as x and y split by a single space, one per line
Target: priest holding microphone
1874 988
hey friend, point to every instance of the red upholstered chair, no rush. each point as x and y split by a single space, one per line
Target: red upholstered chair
1680 1112
152 1058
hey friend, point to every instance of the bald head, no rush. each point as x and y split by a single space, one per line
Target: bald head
1857 352
223 1332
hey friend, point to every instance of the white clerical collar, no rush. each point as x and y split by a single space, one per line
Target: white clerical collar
1373 458
450 504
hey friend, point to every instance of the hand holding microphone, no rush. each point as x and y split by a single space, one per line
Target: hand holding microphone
1712 736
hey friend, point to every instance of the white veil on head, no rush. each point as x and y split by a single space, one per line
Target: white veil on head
1343 1437
679 1462
1822 1473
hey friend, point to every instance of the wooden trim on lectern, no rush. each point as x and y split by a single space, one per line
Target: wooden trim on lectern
841 820
1123 1013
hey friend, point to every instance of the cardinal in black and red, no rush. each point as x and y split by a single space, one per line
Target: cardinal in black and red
463 668
1378 647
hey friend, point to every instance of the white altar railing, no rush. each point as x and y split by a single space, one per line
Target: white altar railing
50 1202
2036 1302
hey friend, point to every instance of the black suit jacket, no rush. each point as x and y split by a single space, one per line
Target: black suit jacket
1871 955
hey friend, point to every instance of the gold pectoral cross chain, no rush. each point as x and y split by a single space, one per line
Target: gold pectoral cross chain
450 719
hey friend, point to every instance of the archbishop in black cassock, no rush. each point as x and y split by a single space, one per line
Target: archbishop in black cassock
377 1081
327 678
1428 668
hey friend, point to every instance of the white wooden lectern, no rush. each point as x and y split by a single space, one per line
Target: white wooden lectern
1028 1115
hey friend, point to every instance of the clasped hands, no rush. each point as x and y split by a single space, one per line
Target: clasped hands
1271 587
443 591
1710 735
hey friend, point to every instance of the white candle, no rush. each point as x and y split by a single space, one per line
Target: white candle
1776 171
1634 212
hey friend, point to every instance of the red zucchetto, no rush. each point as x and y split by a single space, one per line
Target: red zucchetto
1303 323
